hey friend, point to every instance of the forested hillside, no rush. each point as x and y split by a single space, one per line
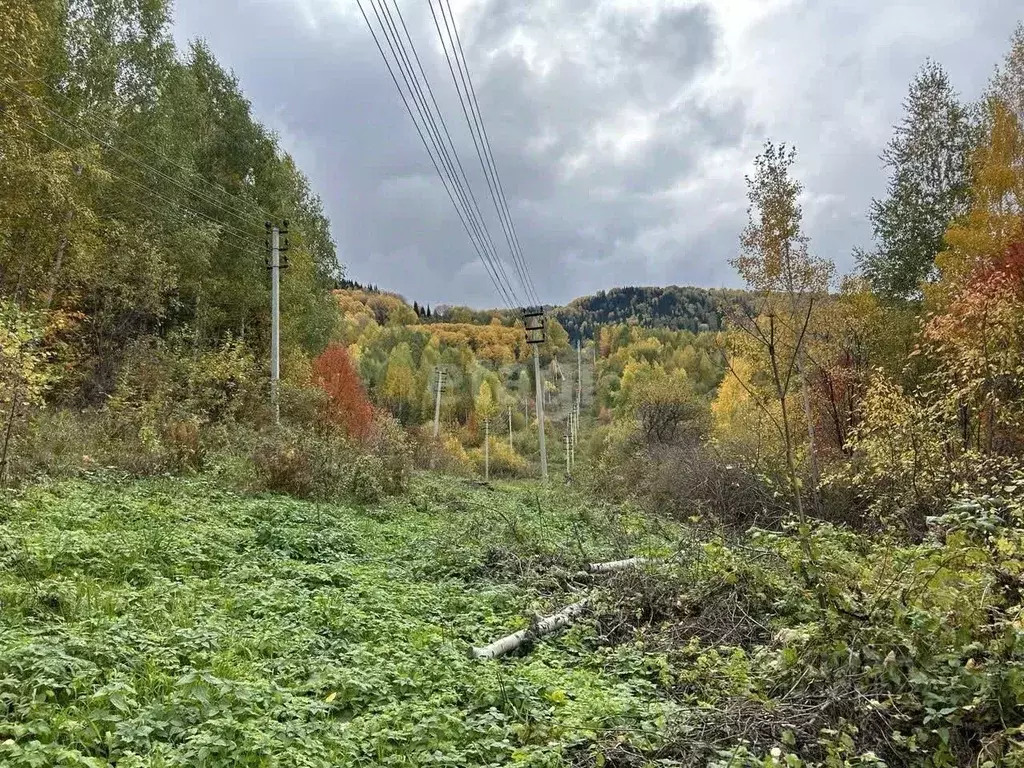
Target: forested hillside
672 307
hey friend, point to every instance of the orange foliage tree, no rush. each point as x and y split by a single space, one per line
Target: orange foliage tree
348 407
980 342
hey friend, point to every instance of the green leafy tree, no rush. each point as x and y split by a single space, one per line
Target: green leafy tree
134 184
486 403
665 406
25 371
400 382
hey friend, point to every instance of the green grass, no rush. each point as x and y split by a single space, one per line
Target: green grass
173 623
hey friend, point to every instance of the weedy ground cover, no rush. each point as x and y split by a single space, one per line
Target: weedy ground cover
171 622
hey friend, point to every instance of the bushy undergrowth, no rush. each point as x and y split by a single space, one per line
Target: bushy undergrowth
181 408
325 465
504 461
684 479
824 647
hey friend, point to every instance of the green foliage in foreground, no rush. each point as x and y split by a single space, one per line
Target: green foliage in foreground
171 623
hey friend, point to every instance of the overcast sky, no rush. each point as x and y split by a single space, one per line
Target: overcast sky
622 129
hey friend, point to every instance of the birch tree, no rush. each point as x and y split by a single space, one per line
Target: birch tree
777 266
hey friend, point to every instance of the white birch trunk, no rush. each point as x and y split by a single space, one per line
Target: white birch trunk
545 626
618 565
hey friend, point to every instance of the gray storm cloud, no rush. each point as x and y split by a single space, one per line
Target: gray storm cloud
622 129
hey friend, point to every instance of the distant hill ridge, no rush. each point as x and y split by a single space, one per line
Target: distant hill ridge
673 307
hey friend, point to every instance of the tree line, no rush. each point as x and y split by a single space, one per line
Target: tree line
134 189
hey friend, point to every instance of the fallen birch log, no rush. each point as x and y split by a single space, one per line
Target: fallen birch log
545 626
618 565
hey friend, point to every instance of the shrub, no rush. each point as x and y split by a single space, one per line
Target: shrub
504 462
184 447
26 371
323 464
445 453
168 393
681 480
390 443
697 481
300 463
301 406
903 468
665 408
455 456
366 481
60 443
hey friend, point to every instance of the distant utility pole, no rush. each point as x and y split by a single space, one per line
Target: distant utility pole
579 376
437 402
572 455
510 429
579 365
534 323
487 450
275 266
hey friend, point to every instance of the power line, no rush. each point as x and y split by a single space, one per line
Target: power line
483 146
473 131
242 238
447 149
216 187
494 166
433 160
245 218
440 151
474 100
430 90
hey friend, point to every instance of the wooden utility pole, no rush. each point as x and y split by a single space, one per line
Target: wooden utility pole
487 450
572 454
275 321
511 448
540 415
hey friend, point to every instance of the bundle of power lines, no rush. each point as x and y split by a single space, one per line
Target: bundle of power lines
391 35
236 217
